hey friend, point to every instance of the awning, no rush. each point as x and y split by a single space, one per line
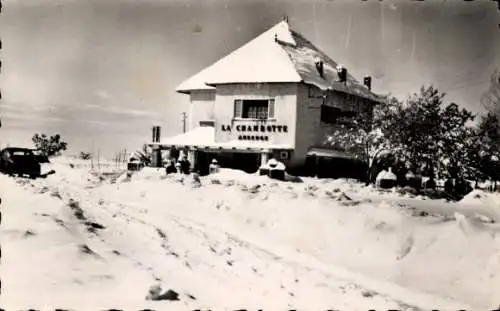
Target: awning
197 137
329 153
203 137
244 145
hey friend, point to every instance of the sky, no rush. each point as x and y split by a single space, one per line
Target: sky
102 72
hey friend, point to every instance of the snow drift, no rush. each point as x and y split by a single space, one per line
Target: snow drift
90 240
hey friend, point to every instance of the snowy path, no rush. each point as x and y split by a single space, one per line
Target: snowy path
204 243
405 297
195 259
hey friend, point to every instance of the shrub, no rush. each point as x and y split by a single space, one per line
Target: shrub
49 146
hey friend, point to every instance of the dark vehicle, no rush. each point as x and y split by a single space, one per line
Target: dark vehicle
41 158
19 161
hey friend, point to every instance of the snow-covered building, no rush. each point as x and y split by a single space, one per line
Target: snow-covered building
276 95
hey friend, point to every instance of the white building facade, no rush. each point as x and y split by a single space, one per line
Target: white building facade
274 96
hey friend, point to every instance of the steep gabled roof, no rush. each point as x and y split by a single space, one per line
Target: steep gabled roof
304 56
278 55
260 60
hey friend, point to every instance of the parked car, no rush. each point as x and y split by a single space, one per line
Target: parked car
41 157
19 161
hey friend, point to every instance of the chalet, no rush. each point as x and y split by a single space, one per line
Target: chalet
277 95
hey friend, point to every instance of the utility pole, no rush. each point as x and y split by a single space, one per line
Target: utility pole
184 117
92 157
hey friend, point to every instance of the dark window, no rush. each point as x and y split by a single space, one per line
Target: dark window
333 115
22 153
254 109
328 114
207 123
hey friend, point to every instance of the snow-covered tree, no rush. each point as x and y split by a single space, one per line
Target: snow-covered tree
423 134
429 138
49 146
412 129
488 138
458 147
362 137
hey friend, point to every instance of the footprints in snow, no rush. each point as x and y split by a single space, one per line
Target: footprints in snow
28 233
85 249
164 243
78 212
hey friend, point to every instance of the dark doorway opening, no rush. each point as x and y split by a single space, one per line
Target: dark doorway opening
247 162
203 160
325 167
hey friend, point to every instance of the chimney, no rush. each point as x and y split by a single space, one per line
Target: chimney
367 81
319 67
342 73
275 37
285 18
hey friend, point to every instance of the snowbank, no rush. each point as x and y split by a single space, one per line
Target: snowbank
482 204
75 162
272 244
150 173
480 197
344 224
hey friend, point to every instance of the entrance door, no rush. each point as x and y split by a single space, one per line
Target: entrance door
248 162
202 164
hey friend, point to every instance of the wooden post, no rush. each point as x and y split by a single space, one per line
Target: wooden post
184 117
92 157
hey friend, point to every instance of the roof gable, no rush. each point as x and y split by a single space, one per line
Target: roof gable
277 55
304 55
260 60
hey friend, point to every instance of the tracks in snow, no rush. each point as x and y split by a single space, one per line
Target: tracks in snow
403 297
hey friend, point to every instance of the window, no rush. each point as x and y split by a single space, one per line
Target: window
333 115
207 123
328 114
254 109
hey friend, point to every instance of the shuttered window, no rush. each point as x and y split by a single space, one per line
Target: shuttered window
238 108
261 109
271 109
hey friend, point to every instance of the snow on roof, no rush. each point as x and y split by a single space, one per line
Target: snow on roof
260 60
199 136
328 153
278 55
304 56
204 136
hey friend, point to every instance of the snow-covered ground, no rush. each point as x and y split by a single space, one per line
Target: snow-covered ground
90 241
